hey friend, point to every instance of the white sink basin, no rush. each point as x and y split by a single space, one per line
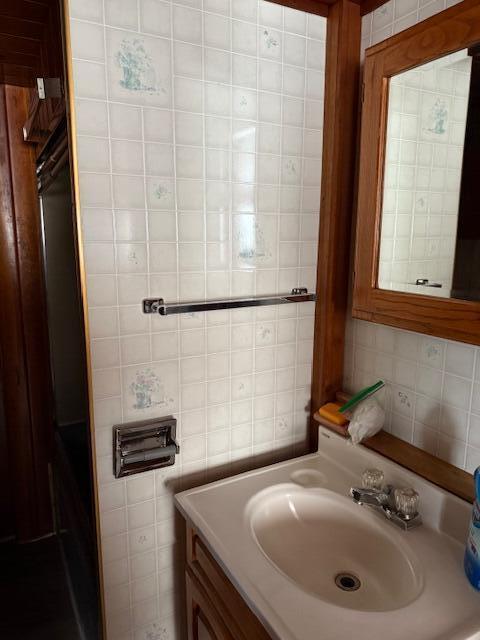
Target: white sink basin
284 534
334 549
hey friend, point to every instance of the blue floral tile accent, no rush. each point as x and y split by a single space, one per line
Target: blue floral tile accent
132 257
253 247
157 632
421 204
435 117
270 41
283 426
432 351
291 168
438 117
148 390
137 67
404 399
162 192
264 333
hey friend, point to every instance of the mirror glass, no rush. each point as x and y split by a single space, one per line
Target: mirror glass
430 232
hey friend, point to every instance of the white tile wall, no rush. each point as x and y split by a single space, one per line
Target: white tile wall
433 388
199 141
432 397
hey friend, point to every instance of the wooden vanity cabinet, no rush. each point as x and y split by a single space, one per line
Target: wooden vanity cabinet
215 609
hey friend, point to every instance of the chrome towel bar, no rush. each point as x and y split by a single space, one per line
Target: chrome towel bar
158 305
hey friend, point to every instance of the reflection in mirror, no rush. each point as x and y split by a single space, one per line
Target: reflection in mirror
430 217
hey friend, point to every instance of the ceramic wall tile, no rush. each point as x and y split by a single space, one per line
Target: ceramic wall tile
199 137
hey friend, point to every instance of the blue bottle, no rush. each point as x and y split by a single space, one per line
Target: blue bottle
472 552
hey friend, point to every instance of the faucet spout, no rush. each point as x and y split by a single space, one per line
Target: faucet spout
372 497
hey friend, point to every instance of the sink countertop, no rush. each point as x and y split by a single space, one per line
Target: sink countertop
447 608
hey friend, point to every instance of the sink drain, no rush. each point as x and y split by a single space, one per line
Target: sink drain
347 582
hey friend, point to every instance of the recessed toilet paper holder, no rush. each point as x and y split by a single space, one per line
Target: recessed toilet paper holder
144 445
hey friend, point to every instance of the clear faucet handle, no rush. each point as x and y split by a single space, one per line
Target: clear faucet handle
372 479
406 502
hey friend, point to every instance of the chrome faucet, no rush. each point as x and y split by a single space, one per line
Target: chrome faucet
398 505
372 497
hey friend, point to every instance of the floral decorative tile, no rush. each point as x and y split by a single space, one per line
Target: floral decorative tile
253 240
160 194
270 40
136 65
150 390
403 401
265 334
432 352
157 631
139 69
435 117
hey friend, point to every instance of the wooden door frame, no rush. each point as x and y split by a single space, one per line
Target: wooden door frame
23 326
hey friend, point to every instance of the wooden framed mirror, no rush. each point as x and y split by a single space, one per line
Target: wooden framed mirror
417 257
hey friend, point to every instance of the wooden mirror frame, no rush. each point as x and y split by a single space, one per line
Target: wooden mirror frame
451 30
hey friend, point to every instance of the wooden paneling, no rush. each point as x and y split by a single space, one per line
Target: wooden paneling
25 9
339 152
21 27
25 373
453 29
11 44
30 41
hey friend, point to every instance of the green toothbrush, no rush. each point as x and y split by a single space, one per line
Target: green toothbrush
361 395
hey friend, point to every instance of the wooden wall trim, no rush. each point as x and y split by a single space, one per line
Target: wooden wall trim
72 139
338 177
310 6
368 6
11 340
33 297
322 7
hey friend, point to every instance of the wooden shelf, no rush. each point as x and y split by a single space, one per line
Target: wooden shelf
342 430
424 464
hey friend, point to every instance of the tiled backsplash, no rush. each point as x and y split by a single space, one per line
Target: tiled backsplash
199 133
432 397
427 115
433 392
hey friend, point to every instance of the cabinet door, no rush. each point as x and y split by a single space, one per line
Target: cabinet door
204 621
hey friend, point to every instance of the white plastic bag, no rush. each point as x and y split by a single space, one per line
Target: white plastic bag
368 417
